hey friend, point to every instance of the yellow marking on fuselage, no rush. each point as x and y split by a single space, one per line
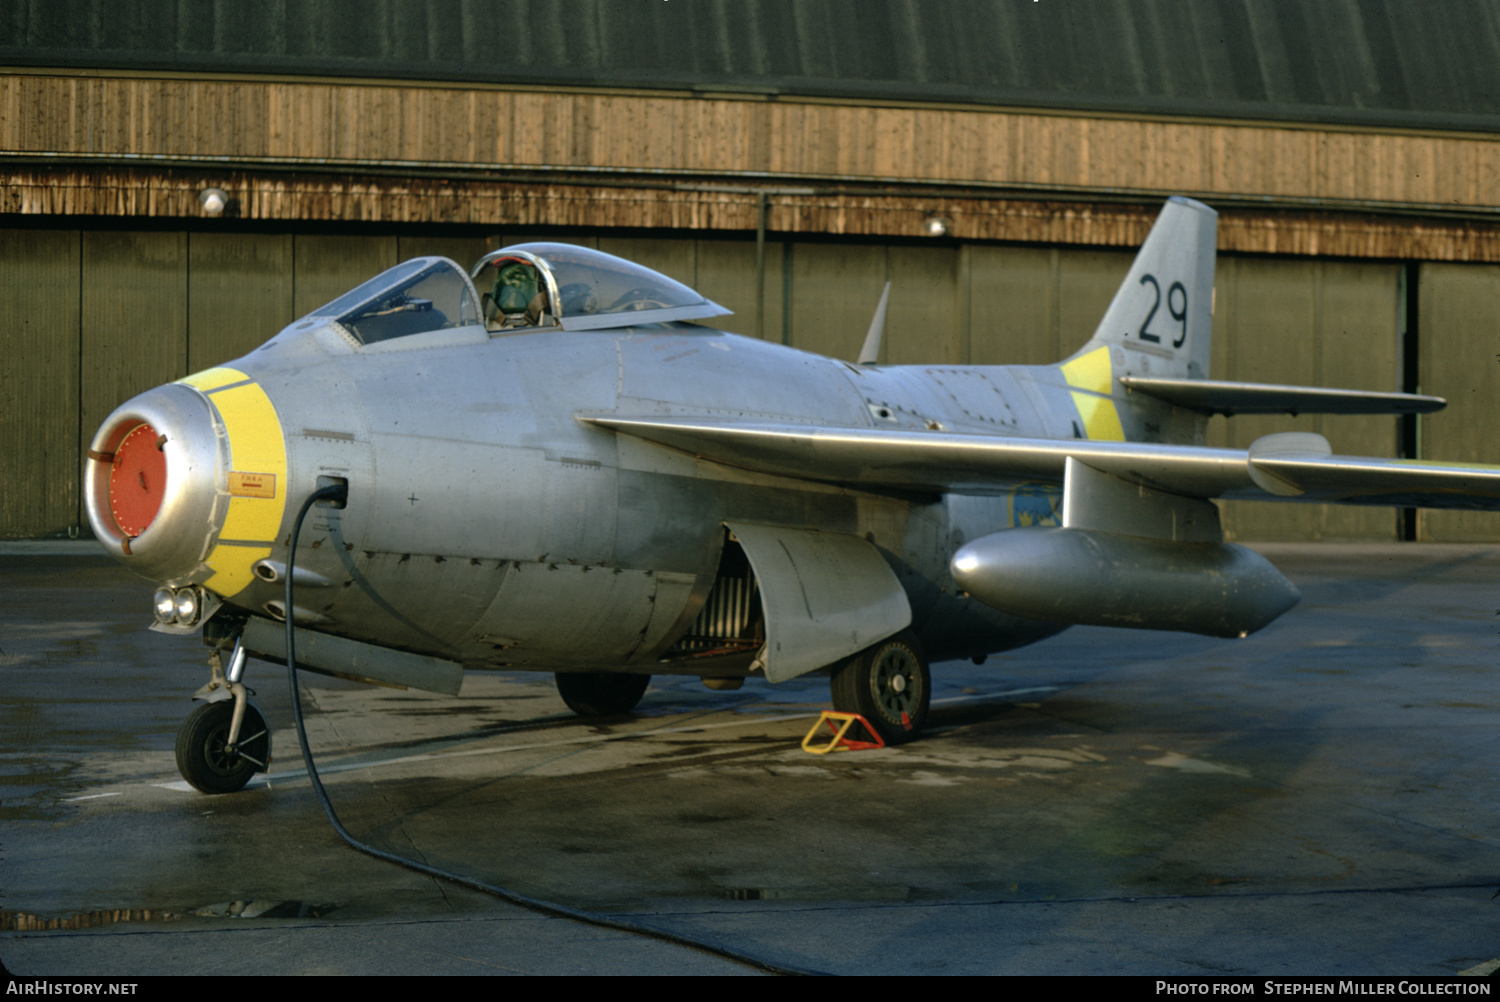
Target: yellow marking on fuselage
257 453
1092 378
1090 372
1101 419
233 568
212 379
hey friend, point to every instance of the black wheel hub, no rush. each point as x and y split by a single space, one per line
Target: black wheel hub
895 683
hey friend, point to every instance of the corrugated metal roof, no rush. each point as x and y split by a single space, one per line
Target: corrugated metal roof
1393 63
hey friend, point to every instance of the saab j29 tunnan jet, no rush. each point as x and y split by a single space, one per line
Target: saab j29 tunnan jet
549 464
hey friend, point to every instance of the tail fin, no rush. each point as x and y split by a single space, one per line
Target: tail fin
1163 313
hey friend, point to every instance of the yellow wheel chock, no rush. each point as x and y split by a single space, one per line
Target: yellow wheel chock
840 739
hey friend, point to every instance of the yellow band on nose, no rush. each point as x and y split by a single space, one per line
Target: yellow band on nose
255 480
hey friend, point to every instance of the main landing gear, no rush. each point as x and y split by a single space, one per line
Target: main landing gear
601 694
889 685
225 741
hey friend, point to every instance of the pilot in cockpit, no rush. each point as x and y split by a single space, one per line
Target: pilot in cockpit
517 298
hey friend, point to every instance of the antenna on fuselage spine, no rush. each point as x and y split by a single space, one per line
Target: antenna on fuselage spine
870 353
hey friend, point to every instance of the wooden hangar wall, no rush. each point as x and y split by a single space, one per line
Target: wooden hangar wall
1333 242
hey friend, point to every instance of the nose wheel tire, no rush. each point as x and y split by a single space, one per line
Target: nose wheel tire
601 694
889 685
205 760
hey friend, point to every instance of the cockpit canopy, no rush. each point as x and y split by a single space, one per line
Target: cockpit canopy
423 294
527 286
579 289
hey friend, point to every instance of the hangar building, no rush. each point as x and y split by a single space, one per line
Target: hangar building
996 160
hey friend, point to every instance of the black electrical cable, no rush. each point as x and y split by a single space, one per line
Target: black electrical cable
339 493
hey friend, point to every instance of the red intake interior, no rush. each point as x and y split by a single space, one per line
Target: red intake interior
137 481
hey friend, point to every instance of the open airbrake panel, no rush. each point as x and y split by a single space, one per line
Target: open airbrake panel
798 599
731 621
826 595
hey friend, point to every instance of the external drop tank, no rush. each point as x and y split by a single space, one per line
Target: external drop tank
1126 555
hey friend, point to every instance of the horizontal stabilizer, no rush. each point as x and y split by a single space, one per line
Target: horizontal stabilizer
1296 466
1218 397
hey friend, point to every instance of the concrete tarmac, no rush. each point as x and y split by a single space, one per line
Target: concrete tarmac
1319 798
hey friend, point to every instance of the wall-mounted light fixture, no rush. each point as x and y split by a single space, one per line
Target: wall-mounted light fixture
213 201
935 226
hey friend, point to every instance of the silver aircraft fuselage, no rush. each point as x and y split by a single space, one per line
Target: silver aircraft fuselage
544 464
487 524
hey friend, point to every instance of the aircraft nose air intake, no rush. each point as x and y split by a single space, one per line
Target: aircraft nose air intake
186 482
137 480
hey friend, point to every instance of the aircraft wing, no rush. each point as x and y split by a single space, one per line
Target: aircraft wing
1289 466
1213 396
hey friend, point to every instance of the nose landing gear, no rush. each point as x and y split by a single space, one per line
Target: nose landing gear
208 761
225 741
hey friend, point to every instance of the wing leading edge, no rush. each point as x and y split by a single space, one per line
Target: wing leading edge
1292 466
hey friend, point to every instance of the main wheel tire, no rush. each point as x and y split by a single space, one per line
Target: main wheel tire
202 755
889 685
601 694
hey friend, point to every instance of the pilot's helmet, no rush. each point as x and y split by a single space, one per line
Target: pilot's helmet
515 287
